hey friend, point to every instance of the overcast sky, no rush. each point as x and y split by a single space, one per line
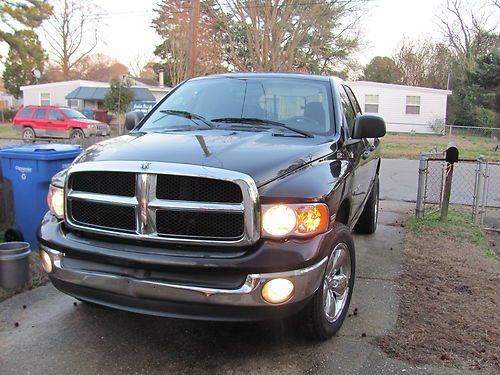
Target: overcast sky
127 33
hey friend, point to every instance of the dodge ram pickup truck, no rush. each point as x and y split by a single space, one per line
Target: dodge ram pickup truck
232 199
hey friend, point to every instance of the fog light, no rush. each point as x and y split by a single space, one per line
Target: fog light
277 290
46 261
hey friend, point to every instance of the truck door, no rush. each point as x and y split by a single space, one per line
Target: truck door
358 153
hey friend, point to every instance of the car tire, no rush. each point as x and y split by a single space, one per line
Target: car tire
76 134
28 135
320 320
367 222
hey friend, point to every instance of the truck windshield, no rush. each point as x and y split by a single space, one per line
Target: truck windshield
71 113
300 104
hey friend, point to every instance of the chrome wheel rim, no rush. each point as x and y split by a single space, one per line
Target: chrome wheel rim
28 134
336 282
77 135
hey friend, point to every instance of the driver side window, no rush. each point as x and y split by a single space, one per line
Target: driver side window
349 114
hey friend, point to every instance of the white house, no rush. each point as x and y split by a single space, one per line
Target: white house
404 108
80 94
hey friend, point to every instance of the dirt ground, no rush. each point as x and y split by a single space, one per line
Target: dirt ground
449 311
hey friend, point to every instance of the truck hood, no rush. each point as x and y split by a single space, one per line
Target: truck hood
261 155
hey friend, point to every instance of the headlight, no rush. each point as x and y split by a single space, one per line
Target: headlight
282 220
55 200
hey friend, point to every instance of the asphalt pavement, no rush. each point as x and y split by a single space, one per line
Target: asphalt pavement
56 334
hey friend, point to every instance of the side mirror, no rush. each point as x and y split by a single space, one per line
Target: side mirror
132 119
368 126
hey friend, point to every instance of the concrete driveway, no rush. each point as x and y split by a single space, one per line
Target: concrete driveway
58 335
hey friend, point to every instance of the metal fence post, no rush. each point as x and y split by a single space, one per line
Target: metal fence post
484 197
479 192
422 176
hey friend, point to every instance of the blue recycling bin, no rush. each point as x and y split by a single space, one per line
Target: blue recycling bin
29 169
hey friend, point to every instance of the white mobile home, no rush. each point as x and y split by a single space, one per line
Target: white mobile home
404 108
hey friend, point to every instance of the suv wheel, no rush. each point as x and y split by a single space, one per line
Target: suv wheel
367 222
28 135
325 313
76 134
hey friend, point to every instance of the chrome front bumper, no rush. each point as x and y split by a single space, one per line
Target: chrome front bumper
306 281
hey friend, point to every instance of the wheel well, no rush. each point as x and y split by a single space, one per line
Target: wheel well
343 212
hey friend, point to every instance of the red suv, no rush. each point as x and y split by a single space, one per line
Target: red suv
56 122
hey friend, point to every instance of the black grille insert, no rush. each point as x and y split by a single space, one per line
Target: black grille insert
200 224
102 215
197 189
99 182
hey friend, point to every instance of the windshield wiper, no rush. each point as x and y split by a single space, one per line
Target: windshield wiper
188 115
251 120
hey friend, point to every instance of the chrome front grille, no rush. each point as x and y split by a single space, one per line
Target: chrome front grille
163 202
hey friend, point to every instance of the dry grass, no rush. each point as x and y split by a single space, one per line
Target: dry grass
449 312
403 145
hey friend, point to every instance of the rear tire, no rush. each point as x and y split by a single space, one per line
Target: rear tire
367 222
324 314
28 135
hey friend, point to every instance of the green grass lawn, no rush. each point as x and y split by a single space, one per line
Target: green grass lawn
6 131
402 145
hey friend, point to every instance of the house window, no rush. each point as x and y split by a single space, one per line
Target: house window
371 103
73 103
44 98
413 105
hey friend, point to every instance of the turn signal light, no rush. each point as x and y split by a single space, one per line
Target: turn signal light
46 261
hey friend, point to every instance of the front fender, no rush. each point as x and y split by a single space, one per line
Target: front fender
321 181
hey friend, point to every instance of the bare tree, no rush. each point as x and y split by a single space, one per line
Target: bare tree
71 33
468 28
275 35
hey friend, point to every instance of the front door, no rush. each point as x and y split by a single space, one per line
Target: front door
359 153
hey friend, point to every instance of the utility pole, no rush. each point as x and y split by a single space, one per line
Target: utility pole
193 37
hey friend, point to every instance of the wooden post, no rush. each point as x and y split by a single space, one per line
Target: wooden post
193 37
447 191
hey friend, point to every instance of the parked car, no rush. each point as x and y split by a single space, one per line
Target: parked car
56 122
233 199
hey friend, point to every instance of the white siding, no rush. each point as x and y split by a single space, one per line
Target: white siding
57 91
392 105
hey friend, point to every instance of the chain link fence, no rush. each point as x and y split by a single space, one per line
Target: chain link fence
476 184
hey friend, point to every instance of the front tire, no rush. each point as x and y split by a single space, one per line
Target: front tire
77 134
367 222
325 313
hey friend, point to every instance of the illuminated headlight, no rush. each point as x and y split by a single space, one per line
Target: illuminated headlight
55 201
282 220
